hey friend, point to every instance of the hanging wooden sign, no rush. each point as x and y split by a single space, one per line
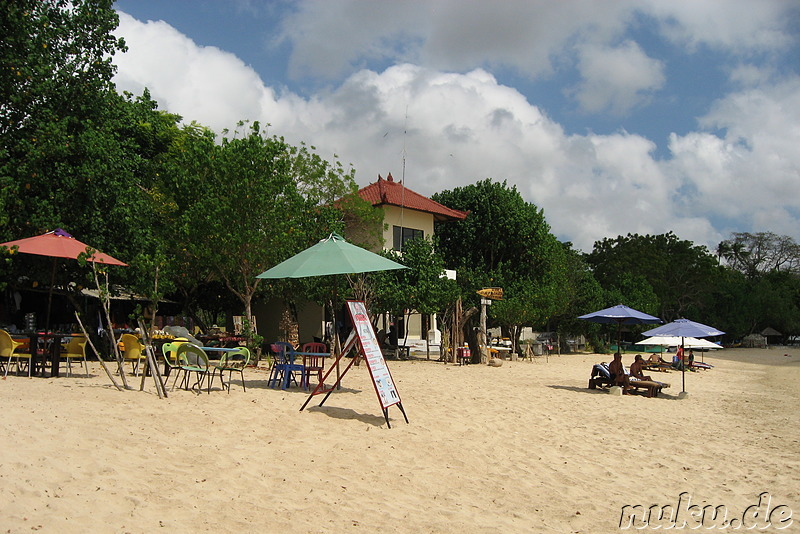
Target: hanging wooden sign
494 293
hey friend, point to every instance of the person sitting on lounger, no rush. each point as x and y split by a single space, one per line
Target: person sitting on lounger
636 368
618 375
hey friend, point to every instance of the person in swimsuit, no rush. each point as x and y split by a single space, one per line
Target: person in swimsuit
637 368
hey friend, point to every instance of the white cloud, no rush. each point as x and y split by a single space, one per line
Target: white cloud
331 39
750 171
203 83
740 26
616 79
458 128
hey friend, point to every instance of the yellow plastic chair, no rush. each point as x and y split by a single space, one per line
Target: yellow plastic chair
8 349
134 351
76 350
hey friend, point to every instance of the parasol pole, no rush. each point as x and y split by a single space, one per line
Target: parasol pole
50 295
683 364
336 346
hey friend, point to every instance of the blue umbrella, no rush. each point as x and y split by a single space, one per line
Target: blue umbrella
620 315
684 328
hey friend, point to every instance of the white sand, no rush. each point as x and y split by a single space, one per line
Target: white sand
525 447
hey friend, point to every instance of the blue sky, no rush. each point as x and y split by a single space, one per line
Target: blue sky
615 117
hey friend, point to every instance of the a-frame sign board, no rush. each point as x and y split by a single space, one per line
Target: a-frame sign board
364 340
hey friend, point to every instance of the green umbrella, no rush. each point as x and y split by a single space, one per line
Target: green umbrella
332 255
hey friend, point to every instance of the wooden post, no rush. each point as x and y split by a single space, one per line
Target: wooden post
482 333
151 363
97 353
107 309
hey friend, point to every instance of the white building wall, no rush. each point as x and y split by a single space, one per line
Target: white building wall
407 218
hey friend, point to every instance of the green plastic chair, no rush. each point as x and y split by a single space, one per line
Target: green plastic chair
170 353
193 359
231 362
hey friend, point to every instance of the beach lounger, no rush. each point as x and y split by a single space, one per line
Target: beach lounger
657 365
650 387
601 376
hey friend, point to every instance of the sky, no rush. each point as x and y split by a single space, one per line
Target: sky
613 116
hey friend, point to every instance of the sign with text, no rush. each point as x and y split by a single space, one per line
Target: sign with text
371 349
495 293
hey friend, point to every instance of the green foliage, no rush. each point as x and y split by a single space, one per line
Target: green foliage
505 242
582 293
422 287
233 209
502 230
58 111
679 274
72 151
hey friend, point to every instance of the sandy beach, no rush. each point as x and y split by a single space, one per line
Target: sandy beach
525 447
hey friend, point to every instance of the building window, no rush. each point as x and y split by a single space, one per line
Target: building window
403 235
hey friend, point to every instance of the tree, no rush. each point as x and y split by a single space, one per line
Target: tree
57 109
422 287
678 272
238 207
505 242
72 151
582 294
759 253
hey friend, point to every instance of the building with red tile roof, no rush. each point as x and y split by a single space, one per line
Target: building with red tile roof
406 213
390 193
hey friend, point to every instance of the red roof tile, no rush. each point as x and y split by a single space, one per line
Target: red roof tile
389 192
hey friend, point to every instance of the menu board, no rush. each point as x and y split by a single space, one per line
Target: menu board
381 378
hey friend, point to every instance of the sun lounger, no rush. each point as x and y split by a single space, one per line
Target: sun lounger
650 387
658 365
601 376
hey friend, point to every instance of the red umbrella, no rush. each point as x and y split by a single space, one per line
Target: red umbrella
58 244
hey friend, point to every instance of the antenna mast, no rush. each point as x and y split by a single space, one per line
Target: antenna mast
403 182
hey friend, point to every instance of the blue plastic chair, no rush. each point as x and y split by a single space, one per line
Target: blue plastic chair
283 367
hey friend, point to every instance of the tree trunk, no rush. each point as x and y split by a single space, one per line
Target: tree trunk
247 300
